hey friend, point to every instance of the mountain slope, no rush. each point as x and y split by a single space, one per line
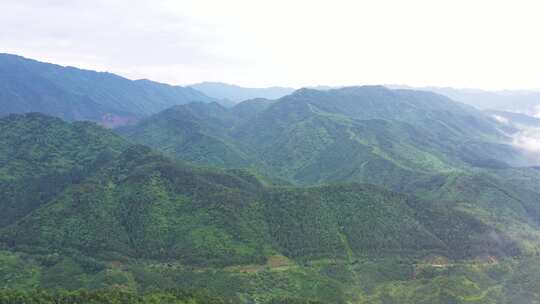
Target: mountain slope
137 220
196 131
41 155
23 91
138 203
144 206
75 94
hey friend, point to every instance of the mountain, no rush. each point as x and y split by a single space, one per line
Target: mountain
526 102
137 220
366 134
516 101
31 86
90 210
251 107
517 119
237 94
145 206
362 133
41 155
414 142
196 131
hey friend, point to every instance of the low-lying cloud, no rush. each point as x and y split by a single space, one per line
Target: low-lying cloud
527 138
501 119
537 110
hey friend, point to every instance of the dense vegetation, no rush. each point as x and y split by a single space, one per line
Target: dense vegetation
109 297
126 216
143 205
196 131
42 155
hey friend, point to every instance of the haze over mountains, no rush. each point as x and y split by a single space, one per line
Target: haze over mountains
75 94
109 98
360 194
527 102
236 94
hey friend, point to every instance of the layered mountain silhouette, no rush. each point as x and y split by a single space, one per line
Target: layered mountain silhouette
352 134
74 94
526 102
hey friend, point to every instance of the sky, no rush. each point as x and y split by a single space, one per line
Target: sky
489 45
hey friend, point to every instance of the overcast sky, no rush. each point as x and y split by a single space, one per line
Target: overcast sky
462 43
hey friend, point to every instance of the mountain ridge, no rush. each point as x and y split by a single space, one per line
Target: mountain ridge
84 94
386 124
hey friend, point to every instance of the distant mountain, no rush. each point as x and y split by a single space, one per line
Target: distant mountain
31 86
236 93
196 131
527 102
367 134
251 107
514 118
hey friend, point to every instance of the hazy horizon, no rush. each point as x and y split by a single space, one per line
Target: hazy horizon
313 86
481 45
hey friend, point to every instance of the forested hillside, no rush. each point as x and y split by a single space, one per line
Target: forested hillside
40 156
124 216
367 134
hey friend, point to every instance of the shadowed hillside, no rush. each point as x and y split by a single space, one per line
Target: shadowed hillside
74 94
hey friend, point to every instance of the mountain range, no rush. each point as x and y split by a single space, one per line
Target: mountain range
74 94
526 102
351 195
337 135
127 213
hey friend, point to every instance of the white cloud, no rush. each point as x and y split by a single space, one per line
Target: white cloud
501 119
529 142
537 112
